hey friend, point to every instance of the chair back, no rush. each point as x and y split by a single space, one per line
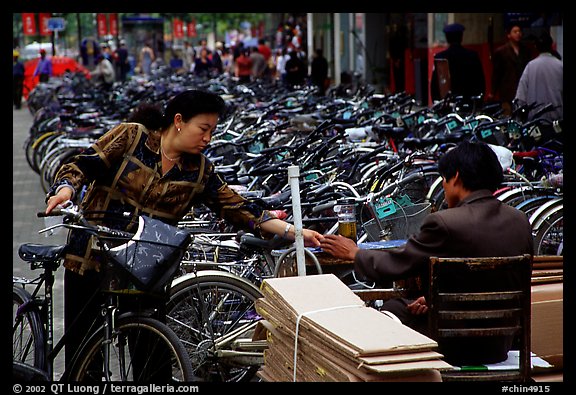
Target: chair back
479 308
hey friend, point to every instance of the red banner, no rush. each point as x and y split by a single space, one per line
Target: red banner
102 24
113 20
192 28
178 28
43 23
28 24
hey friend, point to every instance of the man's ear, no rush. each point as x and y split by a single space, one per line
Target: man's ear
456 178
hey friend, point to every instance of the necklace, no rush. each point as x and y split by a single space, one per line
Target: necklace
166 156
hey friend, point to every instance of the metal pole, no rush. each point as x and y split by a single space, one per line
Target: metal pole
293 176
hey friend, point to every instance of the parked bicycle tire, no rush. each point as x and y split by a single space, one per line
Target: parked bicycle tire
549 236
22 372
27 336
155 341
206 307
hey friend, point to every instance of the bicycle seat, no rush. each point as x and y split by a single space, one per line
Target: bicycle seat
31 252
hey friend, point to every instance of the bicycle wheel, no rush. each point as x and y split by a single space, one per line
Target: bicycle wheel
142 349
549 238
27 333
22 372
212 312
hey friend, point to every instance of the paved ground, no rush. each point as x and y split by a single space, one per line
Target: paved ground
27 200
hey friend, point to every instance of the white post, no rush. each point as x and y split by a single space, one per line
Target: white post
293 176
337 49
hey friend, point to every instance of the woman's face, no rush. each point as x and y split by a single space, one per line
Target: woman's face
195 134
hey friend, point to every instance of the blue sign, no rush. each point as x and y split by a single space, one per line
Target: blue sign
56 24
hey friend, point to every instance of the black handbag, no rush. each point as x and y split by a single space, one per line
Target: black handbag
152 256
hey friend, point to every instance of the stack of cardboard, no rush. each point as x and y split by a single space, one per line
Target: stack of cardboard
336 337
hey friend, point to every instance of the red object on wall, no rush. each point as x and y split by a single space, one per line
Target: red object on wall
102 24
178 28
43 23
29 24
113 20
192 28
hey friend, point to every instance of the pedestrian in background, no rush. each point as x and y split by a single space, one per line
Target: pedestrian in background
259 64
295 70
146 58
104 74
44 67
243 66
202 64
17 79
508 63
319 71
542 81
466 73
121 61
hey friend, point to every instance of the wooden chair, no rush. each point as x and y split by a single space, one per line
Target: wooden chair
465 301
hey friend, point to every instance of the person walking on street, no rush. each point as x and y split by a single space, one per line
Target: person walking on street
508 63
203 66
44 67
121 61
466 73
151 165
319 71
295 70
17 79
243 66
259 65
104 74
542 81
146 58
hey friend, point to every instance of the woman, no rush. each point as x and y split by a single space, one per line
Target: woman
153 166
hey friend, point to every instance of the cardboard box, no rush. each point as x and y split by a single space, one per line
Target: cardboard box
548 323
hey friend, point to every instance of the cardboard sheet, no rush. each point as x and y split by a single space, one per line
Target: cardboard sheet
338 337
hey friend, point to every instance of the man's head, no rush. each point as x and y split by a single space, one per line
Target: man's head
513 33
454 33
544 42
469 167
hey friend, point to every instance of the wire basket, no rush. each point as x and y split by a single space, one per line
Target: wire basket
150 259
400 225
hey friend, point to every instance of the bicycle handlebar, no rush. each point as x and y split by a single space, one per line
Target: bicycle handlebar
73 213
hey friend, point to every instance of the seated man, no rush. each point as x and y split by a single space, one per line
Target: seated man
476 224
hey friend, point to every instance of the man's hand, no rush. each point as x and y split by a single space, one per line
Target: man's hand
419 306
339 246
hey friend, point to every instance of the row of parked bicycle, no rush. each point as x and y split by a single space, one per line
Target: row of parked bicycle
378 150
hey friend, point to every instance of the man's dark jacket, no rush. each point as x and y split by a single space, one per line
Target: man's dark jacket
466 72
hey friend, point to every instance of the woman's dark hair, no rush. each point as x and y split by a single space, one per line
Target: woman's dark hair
188 103
476 163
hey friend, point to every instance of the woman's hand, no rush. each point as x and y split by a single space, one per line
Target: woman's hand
63 195
312 238
339 246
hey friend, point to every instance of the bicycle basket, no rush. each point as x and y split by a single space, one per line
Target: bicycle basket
399 226
152 256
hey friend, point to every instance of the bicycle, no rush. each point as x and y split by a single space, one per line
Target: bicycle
120 345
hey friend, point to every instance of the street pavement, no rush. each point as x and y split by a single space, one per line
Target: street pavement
27 200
